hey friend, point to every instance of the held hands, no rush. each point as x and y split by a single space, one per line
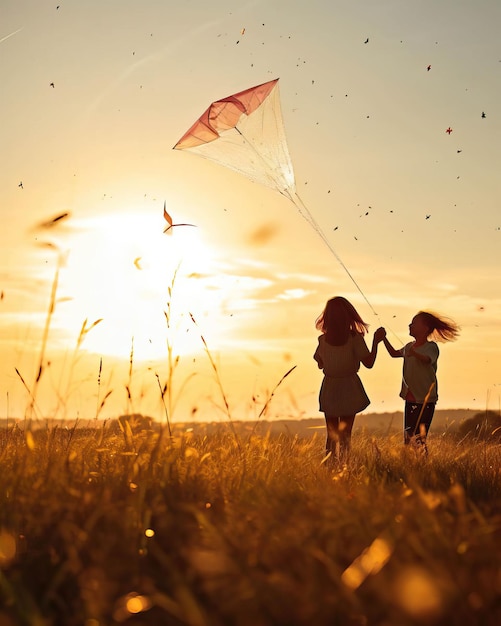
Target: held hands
379 335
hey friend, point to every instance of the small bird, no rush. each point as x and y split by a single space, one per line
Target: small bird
428 68
449 130
483 114
367 40
428 217
51 85
21 185
168 219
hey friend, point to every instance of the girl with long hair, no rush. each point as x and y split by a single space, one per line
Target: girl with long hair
340 350
419 380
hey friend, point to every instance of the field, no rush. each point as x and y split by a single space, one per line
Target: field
102 526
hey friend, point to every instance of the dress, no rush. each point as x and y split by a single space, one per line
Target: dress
342 392
418 377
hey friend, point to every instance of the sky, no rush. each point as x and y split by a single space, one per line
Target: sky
102 313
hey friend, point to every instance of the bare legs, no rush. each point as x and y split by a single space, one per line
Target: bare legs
338 440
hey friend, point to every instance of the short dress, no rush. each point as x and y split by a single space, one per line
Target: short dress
342 392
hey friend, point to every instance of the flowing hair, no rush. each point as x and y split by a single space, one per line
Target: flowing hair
338 320
440 328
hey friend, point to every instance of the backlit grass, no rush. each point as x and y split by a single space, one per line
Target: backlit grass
239 527
115 523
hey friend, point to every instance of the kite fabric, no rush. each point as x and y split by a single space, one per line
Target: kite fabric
245 132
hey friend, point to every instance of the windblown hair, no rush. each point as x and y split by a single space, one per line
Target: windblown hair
338 320
440 328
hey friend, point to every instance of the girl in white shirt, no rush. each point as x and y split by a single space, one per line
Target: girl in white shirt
419 379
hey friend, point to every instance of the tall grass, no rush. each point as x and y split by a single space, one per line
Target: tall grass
203 531
101 525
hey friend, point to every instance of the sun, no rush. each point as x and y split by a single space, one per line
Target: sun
142 286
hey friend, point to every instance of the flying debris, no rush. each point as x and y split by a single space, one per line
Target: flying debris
168 219
55 220
449 130
245 133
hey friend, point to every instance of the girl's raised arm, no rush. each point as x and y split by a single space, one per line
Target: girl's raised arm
391 350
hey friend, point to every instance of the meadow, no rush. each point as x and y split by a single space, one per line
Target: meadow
102 525
237 523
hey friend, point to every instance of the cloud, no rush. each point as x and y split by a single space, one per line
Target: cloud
293 294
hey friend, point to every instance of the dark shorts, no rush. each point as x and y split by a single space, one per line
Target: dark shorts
417 420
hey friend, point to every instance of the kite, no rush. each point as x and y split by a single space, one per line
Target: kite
245 133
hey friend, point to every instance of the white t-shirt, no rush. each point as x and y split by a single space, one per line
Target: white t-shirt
419 377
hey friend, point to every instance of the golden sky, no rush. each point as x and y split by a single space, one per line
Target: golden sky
94 97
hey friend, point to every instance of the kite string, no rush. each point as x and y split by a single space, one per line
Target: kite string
305 214
311 220
301 207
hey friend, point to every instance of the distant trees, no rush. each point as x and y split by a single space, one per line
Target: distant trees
483 426
135 423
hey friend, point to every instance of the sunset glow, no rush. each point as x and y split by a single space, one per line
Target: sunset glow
391 120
